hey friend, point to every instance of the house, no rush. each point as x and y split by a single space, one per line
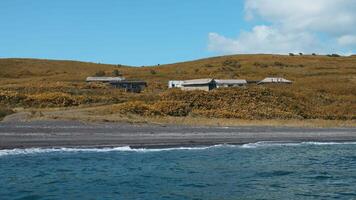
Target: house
175 84
104 79
206 84
120 82
221 83
199 84
274 80
130 85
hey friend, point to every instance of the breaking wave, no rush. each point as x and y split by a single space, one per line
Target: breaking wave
111 149
285 143
7 152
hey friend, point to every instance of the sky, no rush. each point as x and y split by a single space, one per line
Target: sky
140 32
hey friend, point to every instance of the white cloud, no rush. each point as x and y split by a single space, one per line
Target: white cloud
294 26
330 16
264 39
347 40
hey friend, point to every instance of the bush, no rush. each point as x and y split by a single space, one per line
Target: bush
100 73
231 63
11 97
279 64
172 108
291 54
133 107
153 72
334 55
55 99
263 65
4 111
253 103
116 73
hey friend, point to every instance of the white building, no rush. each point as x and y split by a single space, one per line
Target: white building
175 84
104 79
274 80
199 84
221 83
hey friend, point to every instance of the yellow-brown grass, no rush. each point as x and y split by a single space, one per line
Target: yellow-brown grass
324 87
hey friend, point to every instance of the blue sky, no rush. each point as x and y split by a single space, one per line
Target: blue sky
140 32
131 32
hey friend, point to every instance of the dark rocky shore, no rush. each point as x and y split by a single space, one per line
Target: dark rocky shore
78 134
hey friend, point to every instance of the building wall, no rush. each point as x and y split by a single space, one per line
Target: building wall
130 87
193 87
175 84
229 85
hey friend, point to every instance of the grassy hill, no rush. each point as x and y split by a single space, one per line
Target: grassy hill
324 87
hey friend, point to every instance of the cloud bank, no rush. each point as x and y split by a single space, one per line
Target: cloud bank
321 26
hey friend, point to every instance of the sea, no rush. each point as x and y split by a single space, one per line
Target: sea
263 170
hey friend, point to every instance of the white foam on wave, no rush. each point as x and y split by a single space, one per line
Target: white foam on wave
123 149
129 149
284 143
268 144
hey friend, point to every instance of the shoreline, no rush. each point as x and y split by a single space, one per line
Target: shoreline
74 134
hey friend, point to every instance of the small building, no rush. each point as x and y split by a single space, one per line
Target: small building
130 85
223 83
199 84
120 82
175 84
274 80
104 79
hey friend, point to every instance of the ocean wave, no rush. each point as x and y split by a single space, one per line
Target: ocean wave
286 143
111 149
7 152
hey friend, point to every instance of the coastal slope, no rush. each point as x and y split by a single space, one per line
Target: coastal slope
323 89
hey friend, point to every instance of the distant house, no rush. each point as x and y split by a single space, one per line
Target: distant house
206 84
274 80
222 83
104 79
130 85
199 84
175 84
120 82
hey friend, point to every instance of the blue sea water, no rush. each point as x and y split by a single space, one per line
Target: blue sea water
254 171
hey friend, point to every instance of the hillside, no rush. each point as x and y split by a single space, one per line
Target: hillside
324 87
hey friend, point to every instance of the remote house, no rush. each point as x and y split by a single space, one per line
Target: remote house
222 83
274 80
120 82
130 85
199 84
175 84
104 79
